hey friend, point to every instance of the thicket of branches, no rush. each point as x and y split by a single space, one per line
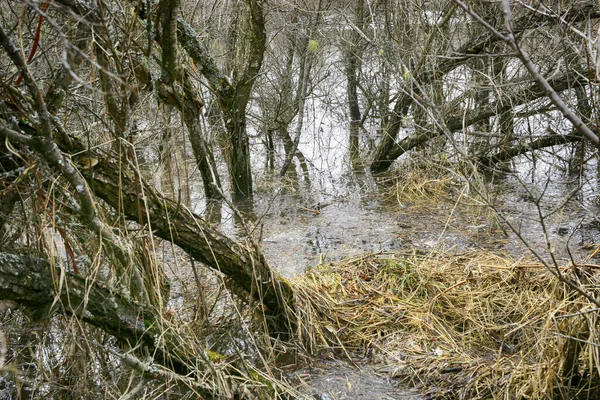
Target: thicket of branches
103 101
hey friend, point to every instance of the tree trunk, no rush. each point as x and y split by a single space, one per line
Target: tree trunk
202 152
388 150
305 68
245 265
524 96
352 67
187 102
505 154
233 97
30 282
238 156
33 284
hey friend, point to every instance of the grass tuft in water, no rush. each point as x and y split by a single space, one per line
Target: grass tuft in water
473 325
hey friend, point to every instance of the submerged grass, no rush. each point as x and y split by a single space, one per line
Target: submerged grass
471 325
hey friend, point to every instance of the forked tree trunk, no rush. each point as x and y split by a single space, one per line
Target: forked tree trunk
233 97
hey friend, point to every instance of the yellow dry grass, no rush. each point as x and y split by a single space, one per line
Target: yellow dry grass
472 325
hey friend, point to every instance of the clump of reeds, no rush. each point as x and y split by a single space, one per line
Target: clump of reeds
416 180
474 325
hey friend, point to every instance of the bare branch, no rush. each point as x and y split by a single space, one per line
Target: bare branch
550 92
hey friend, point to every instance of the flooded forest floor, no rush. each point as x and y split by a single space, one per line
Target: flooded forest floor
419 284
439 281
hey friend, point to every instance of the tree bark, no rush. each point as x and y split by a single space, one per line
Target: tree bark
168 10
31 283
245 265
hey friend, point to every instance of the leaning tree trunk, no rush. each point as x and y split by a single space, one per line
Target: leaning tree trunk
131 323
191 112
245 265
109 310
456 123
389 149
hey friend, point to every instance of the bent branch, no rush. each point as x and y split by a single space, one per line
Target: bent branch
541 143
523 96
388 150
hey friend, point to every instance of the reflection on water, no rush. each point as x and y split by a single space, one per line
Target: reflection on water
296 236
548 207
328 380
339 210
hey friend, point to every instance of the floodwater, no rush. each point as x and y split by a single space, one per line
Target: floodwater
339 211
338 380
334 214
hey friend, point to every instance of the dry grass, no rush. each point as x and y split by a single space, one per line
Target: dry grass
425 181
433 186
417 185
474 325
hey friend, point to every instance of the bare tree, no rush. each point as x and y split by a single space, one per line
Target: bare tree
391 147
71 164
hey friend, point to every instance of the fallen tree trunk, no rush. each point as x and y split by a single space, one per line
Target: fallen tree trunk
173 222
44 289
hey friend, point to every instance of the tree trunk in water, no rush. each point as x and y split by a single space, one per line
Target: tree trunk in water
584 109
388 150
245 265
305 68
202 153
527 94
288 146
238 154
233 97
270 146
187 102
110 311
352 67
506 125
382 158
